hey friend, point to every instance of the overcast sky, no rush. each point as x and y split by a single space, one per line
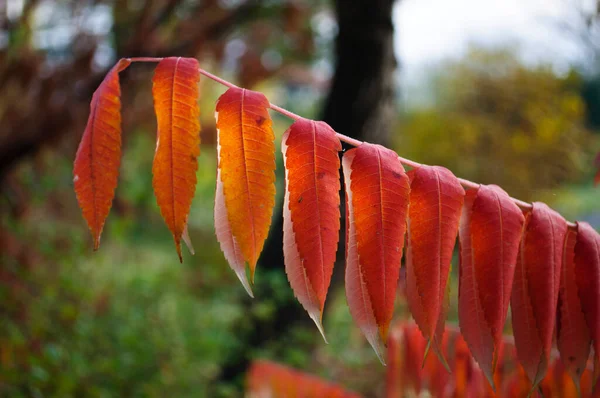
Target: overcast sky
430 30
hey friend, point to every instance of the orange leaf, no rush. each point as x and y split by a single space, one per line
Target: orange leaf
587 277
572 333
436 199
245 178
468 378
535 289
414 350
96 166
311 211
395 371
268 379
377 193
175 92
490 232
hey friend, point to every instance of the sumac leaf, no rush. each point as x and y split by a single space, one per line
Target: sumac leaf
490 231
268 379
245 193
535 289
587 277
311 211
436 199
175 92
377 195
96 167
572 333
414 351
468 377
395 373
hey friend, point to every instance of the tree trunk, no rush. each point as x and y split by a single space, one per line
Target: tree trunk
361 101
360 104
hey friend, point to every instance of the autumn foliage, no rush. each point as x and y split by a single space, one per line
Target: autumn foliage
511 252
269 379
406 375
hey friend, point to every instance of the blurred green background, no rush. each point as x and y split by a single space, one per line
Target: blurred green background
130 320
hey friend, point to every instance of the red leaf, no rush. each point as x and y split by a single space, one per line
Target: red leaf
490 232
377 194
395 371
245 193
436 199
414 351
311 211
468 378
175 92
587 277
535 289
572 333
96 167
268 379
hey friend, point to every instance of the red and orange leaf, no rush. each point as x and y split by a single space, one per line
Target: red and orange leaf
535 289
377 195
96 167
572 333
414 351
175 92
311 211
490 231
468 377
245 193
395 372
268 379
436 199
438 372
440 329
587 277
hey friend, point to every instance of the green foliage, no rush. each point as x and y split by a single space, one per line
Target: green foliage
498 121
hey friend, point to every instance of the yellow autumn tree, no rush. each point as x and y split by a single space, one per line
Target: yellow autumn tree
494 120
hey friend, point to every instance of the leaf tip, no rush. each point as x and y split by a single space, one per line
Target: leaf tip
441 357
96 242
426 353
490 378
186 239
178 247
375 340
241 274
317 319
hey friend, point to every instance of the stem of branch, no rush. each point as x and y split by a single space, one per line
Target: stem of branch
145 59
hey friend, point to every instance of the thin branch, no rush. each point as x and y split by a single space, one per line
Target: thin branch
144 59
344 138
